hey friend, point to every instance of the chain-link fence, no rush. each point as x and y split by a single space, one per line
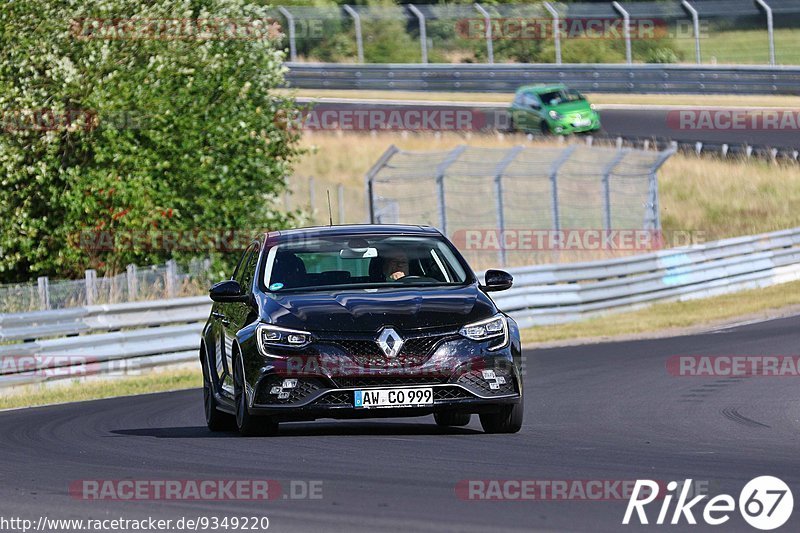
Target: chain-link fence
522 205
136 283
310 195
670 31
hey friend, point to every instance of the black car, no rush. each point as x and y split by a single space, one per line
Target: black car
355 322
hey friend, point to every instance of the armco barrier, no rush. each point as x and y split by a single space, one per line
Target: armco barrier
598 78
103 337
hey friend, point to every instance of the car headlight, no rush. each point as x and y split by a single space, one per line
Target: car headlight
555 115
592 107
495 327
268 335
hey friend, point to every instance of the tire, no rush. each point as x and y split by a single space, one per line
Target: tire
508 420
216 420
544 127
448 419
512 126
247 424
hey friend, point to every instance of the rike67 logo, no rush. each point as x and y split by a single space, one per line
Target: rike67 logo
765 503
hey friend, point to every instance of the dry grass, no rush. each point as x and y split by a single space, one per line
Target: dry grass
158 380
729 100
712 197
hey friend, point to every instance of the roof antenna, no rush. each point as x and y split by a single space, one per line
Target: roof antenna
330 211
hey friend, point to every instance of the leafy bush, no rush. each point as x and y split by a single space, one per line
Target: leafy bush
138 134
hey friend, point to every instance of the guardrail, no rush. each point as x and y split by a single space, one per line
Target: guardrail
549 294
118 338
599 78
114 338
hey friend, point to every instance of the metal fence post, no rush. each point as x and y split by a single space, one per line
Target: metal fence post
423 33
655 215
696 23
626 30
371 173
340 202
312 199
90 277
556 30
607 187
498 183
172 278
560 160
487 18
441 169
357 21
133 282
44 292
290 21
771 33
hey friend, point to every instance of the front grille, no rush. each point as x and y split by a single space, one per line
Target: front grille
367 354
450 393
475 381
336 398
303 389
350 382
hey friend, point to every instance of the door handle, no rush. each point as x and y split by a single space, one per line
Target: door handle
216 314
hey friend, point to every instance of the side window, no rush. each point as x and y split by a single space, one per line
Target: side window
529 99
242 266
249 269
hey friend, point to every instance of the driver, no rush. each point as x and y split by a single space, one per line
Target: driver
395 265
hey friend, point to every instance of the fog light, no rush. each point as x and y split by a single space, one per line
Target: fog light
275 390
289 383
283 396
488 374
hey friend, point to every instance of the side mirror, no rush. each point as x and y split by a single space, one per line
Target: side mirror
227 291
497 280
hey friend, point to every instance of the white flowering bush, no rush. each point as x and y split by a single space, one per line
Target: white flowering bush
120 116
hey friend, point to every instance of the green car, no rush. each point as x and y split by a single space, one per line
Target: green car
552 109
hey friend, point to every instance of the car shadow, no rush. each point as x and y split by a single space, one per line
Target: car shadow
299 429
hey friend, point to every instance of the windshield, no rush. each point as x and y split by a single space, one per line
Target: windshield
561 96
369 261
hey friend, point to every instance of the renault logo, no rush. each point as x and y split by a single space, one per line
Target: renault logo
390 342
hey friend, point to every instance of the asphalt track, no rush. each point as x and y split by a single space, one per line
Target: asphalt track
618 120
595 412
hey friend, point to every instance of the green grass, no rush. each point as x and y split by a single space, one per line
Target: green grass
77 390
756 303
744 47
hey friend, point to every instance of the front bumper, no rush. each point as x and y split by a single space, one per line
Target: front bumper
569 125
464 376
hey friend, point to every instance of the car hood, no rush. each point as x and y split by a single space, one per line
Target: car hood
572 107
365 310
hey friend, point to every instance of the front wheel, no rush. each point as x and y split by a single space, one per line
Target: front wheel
216 420
508 420
247 424
544 127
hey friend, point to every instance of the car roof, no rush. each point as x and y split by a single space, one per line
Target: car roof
542 88
354 229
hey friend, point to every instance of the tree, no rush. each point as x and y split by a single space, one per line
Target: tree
136 120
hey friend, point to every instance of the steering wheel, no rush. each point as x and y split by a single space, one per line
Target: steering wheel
406 279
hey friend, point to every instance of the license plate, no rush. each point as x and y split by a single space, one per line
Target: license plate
366 399
582 122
